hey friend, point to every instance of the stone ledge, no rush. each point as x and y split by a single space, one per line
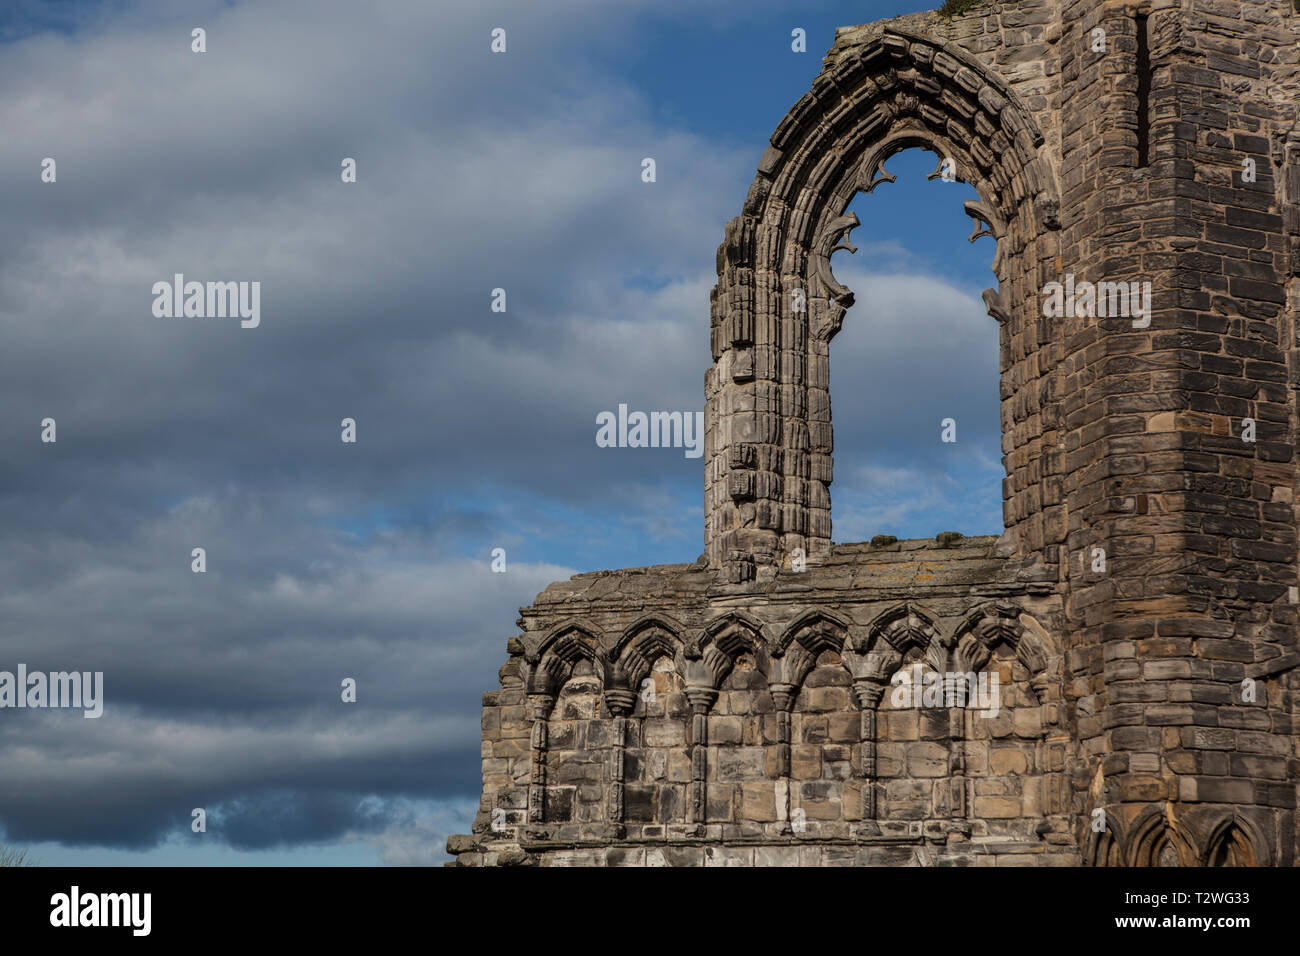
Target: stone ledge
736 842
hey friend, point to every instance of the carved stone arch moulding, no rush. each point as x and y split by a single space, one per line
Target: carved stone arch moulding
999 623
712 652
1235 841
893 634
816 627
1154 842
734 632
1104 847
633 656
982 629
799 646
550 664
777 304
648 626
571 628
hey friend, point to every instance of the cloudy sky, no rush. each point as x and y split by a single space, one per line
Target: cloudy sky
475 429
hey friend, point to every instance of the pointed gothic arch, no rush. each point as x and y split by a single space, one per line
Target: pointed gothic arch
1154 842
570 628
815 627
641 644
1104 848
767 394
997 623
734 625
552 662
1234 841
658 626
904 628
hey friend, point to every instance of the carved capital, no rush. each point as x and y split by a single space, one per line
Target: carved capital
620 701
868 693
783 695
701 698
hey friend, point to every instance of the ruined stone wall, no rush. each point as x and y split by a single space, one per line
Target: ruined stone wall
712 734
1141 609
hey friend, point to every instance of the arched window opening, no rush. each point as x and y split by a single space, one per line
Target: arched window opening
914 370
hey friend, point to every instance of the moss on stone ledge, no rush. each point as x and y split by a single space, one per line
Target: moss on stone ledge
955 8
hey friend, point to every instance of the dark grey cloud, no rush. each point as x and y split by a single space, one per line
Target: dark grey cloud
325 560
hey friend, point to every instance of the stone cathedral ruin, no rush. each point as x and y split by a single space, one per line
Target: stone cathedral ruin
1139 611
